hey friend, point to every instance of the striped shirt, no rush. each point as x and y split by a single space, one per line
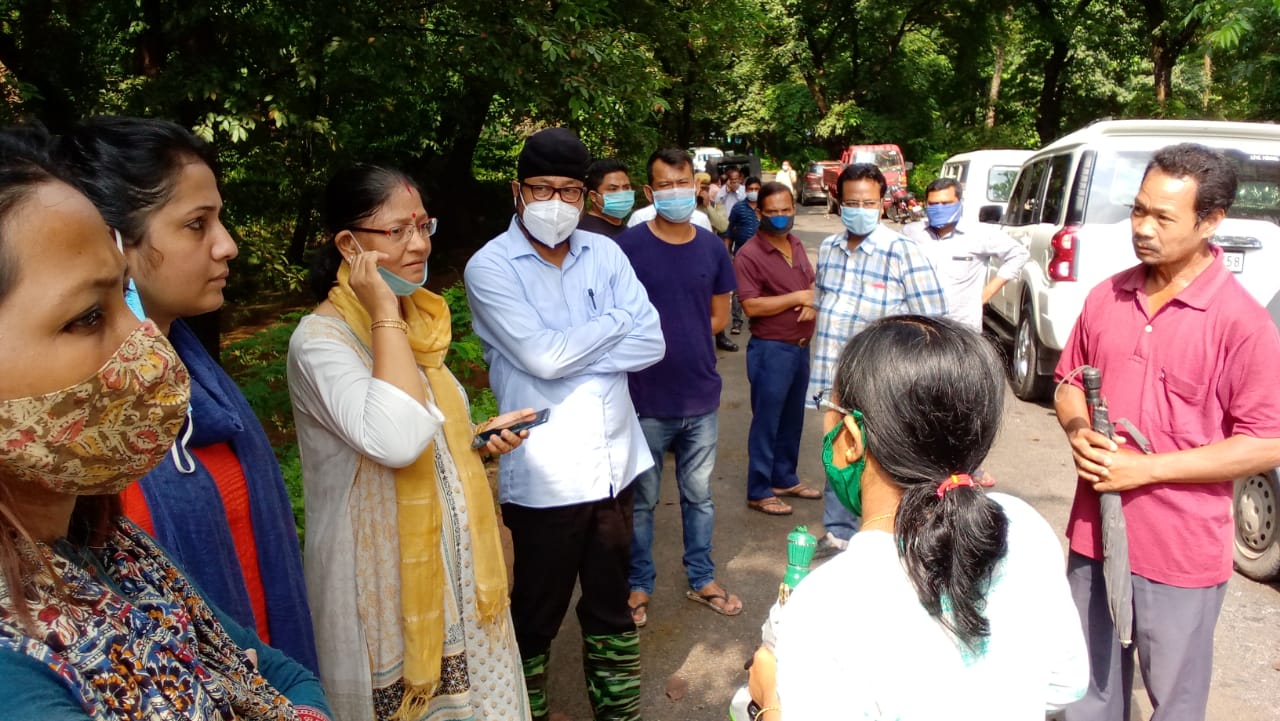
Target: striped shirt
886 274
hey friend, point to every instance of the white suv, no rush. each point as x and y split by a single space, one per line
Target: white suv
1070 207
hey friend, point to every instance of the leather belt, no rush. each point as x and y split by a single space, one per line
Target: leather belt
801 342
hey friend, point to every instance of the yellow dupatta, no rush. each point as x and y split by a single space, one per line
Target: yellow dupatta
422 576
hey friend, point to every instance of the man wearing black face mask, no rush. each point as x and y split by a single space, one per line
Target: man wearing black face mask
778 352
563 319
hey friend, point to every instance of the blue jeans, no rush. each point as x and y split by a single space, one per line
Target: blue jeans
693 441
779 374
837 519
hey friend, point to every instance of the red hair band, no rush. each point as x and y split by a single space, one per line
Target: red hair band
955 481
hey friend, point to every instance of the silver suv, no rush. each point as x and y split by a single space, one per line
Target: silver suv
1070 207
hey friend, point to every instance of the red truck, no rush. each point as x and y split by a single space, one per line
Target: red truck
886 156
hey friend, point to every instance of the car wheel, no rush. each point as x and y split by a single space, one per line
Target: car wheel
1028 383
1256 510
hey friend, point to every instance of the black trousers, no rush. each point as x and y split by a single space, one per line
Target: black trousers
587 542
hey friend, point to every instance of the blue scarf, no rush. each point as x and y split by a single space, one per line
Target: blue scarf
190 524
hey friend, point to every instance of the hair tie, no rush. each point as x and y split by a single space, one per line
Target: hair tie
955 481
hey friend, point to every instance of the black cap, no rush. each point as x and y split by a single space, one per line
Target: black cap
553 152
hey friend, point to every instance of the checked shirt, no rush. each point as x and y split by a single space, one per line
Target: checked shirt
886 274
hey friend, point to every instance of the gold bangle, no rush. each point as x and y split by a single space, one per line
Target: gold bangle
764 711
389 323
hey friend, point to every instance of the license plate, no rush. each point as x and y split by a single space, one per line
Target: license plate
1234 261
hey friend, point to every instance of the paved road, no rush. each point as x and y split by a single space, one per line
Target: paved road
695 655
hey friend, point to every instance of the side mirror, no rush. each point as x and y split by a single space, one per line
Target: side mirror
990 214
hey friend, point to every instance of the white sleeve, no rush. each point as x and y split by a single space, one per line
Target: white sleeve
331 383
1065 657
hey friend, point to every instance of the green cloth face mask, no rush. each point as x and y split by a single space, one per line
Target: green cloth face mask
846 482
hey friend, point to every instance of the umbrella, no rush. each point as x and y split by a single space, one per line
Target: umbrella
1115 539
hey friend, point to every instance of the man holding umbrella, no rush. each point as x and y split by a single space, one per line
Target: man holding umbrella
1184 353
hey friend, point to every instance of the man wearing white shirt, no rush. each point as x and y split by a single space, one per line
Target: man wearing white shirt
563 319
731 192
959 251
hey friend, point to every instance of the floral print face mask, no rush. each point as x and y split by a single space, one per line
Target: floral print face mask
98 436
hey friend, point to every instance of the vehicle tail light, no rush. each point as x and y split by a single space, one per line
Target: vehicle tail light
1063 264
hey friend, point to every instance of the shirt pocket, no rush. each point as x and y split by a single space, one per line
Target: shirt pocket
1182 402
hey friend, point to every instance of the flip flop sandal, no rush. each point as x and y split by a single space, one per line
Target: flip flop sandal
799 490
709 601
770 506
640 614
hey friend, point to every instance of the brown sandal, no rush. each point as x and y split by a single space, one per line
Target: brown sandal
770 506
799 490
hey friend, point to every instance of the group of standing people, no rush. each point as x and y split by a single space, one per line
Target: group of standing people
607 320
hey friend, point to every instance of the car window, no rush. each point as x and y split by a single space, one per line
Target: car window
1055 194
1000 182
1024 203
1118 176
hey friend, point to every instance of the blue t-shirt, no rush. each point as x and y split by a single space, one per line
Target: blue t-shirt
743 224
680 280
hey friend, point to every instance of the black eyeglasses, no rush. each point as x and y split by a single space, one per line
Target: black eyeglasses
402 233
868 204
569 194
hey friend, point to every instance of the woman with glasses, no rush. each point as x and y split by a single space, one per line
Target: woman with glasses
217 503
407 577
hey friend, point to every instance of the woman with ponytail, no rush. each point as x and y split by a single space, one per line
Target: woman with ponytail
952 601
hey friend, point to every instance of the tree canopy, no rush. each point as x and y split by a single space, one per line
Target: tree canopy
289 90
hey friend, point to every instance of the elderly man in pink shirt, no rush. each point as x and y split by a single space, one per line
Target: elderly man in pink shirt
1186 354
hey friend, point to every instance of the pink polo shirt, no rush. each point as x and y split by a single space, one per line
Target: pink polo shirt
1199 371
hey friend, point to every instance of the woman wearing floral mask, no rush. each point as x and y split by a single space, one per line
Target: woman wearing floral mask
217 503
95 620
403 560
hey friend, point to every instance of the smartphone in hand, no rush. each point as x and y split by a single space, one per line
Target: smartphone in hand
482 438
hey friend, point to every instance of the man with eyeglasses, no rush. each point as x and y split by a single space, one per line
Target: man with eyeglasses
864 273
960 251
563 319
689 277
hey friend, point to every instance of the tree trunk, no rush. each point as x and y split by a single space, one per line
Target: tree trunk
993 94
1208 82
1162 70
1049 110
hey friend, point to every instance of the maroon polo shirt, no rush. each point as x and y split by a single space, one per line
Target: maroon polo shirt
764 272
1199 370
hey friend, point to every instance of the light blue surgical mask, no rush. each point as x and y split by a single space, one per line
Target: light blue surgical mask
133 300
398 285
943 214
753 195
859 221
676 205
619 204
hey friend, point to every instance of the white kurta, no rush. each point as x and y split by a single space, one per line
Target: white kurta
354 431
853 641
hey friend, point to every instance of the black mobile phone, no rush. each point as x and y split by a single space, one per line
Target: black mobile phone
483 436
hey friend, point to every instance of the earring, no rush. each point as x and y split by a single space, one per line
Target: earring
848 455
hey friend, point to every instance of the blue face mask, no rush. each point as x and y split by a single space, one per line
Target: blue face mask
675 205
780 223
943 215
619 204
133 300
859 221
753 195
398 285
